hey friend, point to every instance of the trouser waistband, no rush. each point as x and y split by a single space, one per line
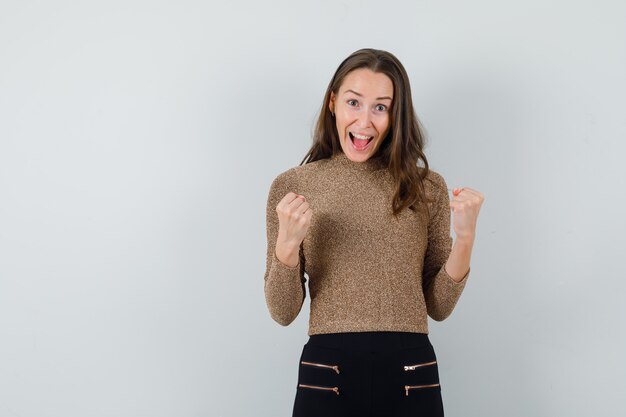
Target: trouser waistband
373 341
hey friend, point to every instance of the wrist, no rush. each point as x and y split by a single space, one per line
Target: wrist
467 240
288 245
288 253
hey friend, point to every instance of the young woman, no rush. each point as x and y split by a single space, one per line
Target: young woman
371 229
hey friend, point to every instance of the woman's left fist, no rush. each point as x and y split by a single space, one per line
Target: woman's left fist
465 206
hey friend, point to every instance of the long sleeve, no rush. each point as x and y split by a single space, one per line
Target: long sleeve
441 292
284 285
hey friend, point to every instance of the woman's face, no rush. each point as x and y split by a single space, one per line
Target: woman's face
362 107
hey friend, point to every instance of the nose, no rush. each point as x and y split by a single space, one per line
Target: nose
364 119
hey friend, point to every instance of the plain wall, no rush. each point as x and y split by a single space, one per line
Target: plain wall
138 140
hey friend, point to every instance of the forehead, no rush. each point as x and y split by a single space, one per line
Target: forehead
367 83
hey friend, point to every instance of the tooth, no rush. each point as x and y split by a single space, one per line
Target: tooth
361 137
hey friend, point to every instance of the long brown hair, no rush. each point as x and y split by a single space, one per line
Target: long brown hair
402 148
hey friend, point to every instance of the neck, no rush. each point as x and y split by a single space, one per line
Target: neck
373 163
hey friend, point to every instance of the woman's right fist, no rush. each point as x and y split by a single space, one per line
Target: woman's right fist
294 218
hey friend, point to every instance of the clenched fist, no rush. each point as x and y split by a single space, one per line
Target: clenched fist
465 207
294 218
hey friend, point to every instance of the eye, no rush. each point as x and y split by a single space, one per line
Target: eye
351 100
383 106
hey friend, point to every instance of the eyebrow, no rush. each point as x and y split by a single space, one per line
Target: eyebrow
378 98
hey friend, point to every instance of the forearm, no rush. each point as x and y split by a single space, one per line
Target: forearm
284 285
288 253
458 262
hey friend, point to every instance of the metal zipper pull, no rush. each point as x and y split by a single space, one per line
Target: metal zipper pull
408 387
336 389
412 367
335 367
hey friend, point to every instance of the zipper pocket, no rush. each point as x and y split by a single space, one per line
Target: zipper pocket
412 367
408 387
335 367
336 389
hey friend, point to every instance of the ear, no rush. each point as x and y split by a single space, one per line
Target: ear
331 105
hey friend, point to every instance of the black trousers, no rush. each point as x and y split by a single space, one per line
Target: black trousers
368 374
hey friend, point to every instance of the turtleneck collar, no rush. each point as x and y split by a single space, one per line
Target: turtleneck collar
371 164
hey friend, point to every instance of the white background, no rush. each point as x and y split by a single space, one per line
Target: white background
138 140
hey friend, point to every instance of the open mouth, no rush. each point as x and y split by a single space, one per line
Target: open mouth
360 144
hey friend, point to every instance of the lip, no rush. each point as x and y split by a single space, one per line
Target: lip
359 133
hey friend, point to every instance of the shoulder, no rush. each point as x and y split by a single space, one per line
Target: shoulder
283 181
435 182
310 168
300 173
436 189
281 185
292 177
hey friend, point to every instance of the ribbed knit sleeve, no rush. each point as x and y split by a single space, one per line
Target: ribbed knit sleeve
441 292
284 285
